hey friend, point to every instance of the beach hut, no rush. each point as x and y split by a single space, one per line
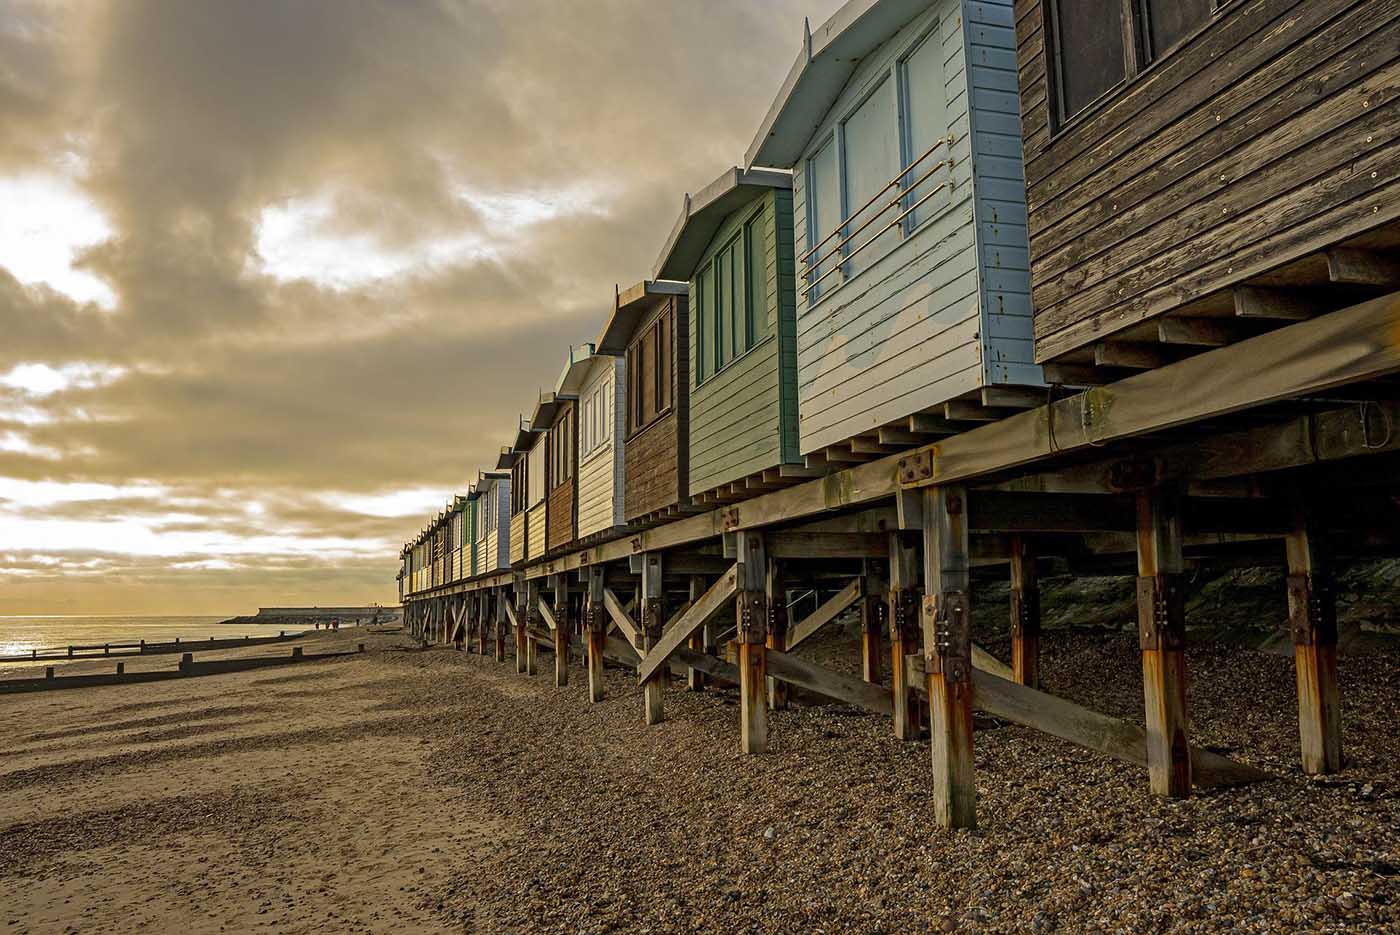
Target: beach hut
1202 172
733 245
649 329
900 122
596 381
556 425
493 527
464 535
527 462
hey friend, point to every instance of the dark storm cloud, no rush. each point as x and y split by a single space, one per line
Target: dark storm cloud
191 118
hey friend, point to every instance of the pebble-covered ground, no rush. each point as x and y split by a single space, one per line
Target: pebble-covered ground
437 791
625 828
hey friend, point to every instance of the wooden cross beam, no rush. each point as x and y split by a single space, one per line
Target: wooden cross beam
826 613
701 612
621 617
1087 728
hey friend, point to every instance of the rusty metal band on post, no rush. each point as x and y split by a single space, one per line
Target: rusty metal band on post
1312 608
1161 611
752 617
950 649
1025 612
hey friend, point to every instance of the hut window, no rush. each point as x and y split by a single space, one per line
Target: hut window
561 447
870 160
1098 45
534 472
731 285
649 362
823 213
1089 52
755 279
923 111
1167 22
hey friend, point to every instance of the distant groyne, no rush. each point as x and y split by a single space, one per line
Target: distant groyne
370 615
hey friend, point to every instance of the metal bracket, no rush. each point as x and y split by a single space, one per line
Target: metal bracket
1312 610
951 649
916 466
1161 612
1025 605
751 625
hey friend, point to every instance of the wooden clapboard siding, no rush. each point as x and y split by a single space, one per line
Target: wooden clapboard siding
653 477
999 194
743 419
1252 145
656 459
560 513
536 526
946 310
600 473
517 537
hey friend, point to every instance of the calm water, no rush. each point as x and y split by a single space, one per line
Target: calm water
21 634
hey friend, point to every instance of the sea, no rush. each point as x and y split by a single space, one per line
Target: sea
22 634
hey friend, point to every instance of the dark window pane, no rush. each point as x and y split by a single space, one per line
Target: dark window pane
1089 45
1170 21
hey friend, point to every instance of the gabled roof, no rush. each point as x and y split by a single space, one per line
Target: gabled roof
576 368
629 308
826 62
704 212
547 410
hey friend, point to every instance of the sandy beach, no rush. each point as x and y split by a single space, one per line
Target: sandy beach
412 790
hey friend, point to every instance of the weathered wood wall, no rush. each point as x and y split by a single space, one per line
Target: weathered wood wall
743 419
657 457
1269 135
561 494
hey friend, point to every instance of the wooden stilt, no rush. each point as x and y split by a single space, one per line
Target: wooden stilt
563 634
1162 635
596 623
872 628
1312 614
533 621
751 615
482 634
653 621
497 601
775 593
518 597
904 633
1025 613
947 616
695 679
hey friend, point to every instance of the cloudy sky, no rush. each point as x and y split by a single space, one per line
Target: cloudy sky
275 278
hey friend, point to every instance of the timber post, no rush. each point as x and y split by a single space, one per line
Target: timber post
904 633
872 627
498 604
947 616
1025 613
563 636
596 620
1162 635
700 642
479 612
775 593
751 616
533 622
1312 617
517 599
653 613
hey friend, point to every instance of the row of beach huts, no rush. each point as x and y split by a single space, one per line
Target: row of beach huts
1110 286
860 284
